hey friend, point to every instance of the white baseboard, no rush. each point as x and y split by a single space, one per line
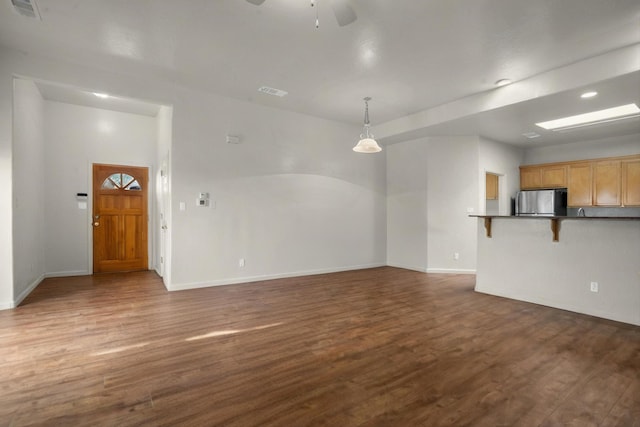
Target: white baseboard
4 305
408 267
540 300
434 270
165 280
67 273
25 293
451 270
250 279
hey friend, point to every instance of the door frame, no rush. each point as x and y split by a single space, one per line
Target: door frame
151 209
163 205
504 205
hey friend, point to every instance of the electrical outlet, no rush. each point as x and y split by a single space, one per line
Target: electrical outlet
456 256
594 286
241 262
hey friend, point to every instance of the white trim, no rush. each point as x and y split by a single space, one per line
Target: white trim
538 300
89 218
250 279
34 285
451 270
27 291
68 273
408 267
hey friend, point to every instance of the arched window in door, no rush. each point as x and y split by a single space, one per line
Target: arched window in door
121 181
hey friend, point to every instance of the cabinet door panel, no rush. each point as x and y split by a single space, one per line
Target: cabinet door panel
607 183
631 183
579 185
491 186
530 178
554 176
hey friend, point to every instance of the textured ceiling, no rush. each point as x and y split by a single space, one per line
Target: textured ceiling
408 55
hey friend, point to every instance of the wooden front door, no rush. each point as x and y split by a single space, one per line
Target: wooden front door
119 218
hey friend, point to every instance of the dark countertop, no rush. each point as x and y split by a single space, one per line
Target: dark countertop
582 218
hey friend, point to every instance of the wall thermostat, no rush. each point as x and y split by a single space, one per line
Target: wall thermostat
202 200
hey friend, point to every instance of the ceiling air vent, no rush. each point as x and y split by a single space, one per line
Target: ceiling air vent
272 91
531 135
27 8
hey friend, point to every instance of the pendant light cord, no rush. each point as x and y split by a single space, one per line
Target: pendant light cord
367 124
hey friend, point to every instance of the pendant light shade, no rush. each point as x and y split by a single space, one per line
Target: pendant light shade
367 143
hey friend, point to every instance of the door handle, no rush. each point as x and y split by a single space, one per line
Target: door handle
164 227
95 224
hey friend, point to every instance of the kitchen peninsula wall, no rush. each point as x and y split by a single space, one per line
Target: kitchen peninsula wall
520 261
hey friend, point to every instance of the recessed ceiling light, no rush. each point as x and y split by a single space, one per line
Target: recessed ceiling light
589 94
503 82
595 117
101 95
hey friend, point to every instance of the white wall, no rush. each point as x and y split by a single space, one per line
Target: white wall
6 204
503 160
521 262
291 199
452 177
432 183
407 205
29 206
75 137
609 147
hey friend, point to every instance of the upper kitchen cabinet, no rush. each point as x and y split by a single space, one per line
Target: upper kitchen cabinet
610 182
607 183
631 182
579 185
554 176
543 176
530 177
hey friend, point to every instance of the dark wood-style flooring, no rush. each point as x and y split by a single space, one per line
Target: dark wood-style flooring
378 347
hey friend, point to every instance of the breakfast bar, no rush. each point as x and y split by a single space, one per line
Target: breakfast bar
593 268
554 221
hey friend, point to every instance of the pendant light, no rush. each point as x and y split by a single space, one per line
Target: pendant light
367 144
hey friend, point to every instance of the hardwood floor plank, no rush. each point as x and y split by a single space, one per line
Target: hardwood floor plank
378 347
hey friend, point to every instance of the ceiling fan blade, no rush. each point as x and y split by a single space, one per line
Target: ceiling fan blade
256 2
344 13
